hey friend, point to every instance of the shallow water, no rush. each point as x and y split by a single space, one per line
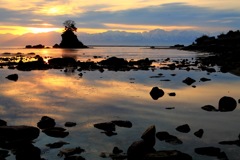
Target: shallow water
100 97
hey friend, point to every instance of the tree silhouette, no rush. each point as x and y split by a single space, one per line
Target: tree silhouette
70 25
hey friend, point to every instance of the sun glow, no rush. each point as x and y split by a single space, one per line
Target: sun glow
44 30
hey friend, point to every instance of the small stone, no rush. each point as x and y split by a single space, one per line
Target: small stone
183 128
120 123
46 122
13 77
209 108
199 133
205 79
172 94
165 136
227 104
189 81
106 126
56 132
70 124
156 93
208 151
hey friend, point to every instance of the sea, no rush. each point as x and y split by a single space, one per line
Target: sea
97 97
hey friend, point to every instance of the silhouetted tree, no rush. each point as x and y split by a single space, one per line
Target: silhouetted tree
70 25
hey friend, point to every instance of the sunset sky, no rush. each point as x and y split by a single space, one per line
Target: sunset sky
94 16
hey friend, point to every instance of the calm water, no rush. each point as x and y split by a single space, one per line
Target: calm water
100 97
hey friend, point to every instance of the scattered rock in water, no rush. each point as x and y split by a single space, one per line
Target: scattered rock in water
239 101
46 122
120 123
58 144
208 151
209 108
189 81
70 124
199 133
227 104
27 151
165 136
109 133
172 94
235 142
19 133
205 79
165 80
173 75
56 132
70 151
62 62
3 123
106 126
169 108
12 77
116 150
183 128
156 93
168 155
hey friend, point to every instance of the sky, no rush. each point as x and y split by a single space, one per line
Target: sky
95 16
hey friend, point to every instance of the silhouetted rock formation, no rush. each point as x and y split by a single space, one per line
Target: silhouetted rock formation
70 40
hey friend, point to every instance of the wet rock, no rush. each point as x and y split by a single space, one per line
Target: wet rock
204 79
199 133
183 128
172 94
156 93
149 136
120 123
116 150
209 108
18 133
138 150
4 154
12 77
28 151
61 62
70 151
227 104
56 144
165 136
208 151
3 123
168 155
33 65
106 126
189 81
56 132
70 124
46 122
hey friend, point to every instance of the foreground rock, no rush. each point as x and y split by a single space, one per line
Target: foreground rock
227 104
106 126
19 133
139 149
168 155
46 122
3 123
156 93
199 133
183 128
27 151
209 108
57 132
13 77
212 151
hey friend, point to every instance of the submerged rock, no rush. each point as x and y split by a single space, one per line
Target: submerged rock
183 128
209 108
227 104
156 93
165 136
70 151
46 122
168 155
188 81
12 77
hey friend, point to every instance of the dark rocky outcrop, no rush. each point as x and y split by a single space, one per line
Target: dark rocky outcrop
172 94
227 104
39 64
205 79
156 93
70 151
70 40
62 62
12 77
27 151
3 123
35 46
46 122
183 128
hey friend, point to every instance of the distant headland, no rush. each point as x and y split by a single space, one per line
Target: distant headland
69 39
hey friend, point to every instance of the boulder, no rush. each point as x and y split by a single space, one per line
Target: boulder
3 123
62 62
18 133
168 155
57 132
227 104
27 151
149 136
209 108
70 151
106 126
46 122
156 93
12 77
120 123
183 128
116 150
199 133
188 81
208 151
